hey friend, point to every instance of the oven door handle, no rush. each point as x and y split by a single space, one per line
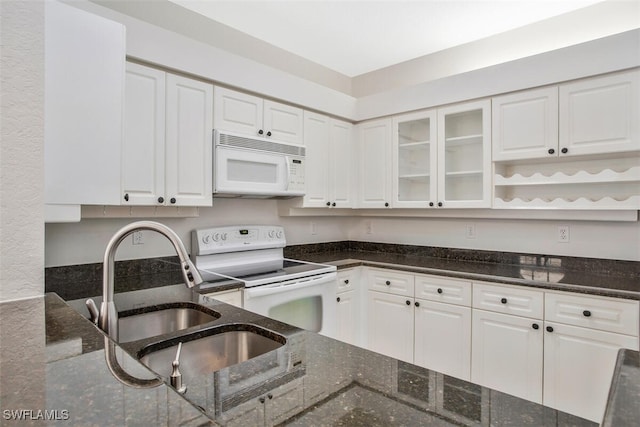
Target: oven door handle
291 285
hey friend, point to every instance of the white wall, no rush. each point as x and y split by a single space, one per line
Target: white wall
21 149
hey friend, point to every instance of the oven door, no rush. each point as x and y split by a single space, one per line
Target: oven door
308 303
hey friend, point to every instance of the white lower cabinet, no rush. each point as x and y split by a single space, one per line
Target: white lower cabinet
442 338
269 409
507 353
390 325
348 310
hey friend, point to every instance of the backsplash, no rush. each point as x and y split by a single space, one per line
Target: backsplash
85 280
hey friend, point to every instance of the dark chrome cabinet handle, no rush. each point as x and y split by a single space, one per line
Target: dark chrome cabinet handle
126 197
260 132
388 283
535 326
408 302
564 150
328 203
160 199
431 204
549 329
417 304
386 204
440 204
346 281
270 396
439 290
262 399
173 200
551 151
503 300
338 299
586 313
269 133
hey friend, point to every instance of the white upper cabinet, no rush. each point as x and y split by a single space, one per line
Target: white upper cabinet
252 115
415 160
167 152
600 115
84 88
464 155
525 124
375 168
329 168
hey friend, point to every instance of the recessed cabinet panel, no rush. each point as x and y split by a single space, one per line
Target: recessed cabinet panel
390 281
525 124
513 300
600 115
316 141
342 165
237 112
284 122
389 314
375 164
441 289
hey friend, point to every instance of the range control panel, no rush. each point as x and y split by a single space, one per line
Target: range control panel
215 240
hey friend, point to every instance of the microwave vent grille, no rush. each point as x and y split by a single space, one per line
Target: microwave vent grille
259 144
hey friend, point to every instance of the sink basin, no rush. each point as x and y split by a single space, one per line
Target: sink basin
212 350
162 319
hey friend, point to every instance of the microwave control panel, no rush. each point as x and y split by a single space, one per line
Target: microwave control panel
296 174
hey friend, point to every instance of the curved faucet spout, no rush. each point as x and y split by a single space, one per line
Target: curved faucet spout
108 320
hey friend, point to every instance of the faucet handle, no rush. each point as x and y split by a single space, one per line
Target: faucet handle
93 311
176 376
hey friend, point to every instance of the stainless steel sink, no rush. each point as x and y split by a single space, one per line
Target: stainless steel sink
212 350
162 319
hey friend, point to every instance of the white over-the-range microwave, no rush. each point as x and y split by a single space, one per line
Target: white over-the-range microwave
246 166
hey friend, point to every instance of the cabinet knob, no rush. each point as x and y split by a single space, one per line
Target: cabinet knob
126 197
346 281
269 133
417 304
565 150
586 313
338 299
386 204
503 300
408 302
431 204
328 203
161 199
260 132
262 399
439 290
551 151
549 329
440 204
270 396
535 326
173 200
333 204
388 282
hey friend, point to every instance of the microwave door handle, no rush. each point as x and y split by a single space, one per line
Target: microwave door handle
288 162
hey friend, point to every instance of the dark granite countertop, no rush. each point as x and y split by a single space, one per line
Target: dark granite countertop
596 277
53 358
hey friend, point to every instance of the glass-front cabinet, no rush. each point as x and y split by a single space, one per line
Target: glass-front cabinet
415 160
464 155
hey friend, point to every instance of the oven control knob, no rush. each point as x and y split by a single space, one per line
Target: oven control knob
216 237
206 239
272 233
224 236
279 234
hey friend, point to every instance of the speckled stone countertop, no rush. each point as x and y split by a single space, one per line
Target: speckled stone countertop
620 279
52 358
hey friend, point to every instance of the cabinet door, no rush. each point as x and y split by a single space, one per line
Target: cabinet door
450 327
525 124
464 155
347 317
578 367
84 77
189 141
317 134
143 156
415 160
342 165
507 354
375 164
390 325
390 281
283 122
284 402
250 413
600 115
237 112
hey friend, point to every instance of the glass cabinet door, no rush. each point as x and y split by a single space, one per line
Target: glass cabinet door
464 155
414 163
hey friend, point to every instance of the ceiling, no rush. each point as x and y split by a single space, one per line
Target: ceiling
354 37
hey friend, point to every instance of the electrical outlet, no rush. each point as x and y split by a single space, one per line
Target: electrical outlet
470 231
137 238
314 228
368 227
563 234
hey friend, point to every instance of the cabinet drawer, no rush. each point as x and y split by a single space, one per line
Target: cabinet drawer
346 280
390 281
443 289
508 299
606 314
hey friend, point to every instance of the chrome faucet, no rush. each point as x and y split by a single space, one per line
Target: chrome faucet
108 317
